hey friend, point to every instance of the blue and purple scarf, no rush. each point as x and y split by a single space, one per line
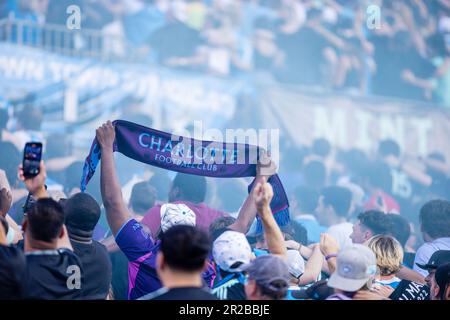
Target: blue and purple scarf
190 156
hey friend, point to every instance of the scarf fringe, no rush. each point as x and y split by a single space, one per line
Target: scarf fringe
282 218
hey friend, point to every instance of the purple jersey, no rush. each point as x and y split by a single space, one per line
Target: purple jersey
141 250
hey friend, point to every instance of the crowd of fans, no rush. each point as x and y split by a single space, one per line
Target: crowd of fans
362 227
334 44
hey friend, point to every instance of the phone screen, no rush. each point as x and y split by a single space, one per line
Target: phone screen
31 158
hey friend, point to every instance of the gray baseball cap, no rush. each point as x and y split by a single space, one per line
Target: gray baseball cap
268 269
355 266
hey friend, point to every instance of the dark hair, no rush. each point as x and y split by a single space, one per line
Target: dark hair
339 198
192 188
219 226
442 277
143 197
82 213
435 218
389 147
300 233
307 199
275 295
30 118
288 231
10 158
378 222
401 229
185 248
45 220
321 147
315 174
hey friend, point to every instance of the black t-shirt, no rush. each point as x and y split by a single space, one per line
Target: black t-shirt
12 272
119 280
408 290
186 293
97 269
230 287
52 275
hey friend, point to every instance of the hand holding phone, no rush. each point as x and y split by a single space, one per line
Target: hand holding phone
32 156
32 171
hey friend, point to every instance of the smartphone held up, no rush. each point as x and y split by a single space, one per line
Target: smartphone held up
32 156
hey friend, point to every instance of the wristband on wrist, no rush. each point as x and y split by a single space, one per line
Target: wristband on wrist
332 255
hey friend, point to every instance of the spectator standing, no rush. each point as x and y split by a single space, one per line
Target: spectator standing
355 271
268 278
401 230
437 259
332 211
306 199
441 283
435 226
12 264
180 262
389 254
231 252
369 224
82 213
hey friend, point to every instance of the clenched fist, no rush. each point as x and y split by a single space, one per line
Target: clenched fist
105 135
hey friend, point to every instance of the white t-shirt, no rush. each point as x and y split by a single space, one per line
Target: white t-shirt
341 232
426 250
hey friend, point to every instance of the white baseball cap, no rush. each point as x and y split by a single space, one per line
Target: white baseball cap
231 251
173 214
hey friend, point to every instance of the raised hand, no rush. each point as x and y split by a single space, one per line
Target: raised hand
105 135
35 185
266 167
328 245
262 194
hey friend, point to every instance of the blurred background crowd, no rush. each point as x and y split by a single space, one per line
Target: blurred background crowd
392 48
331 44
330 47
